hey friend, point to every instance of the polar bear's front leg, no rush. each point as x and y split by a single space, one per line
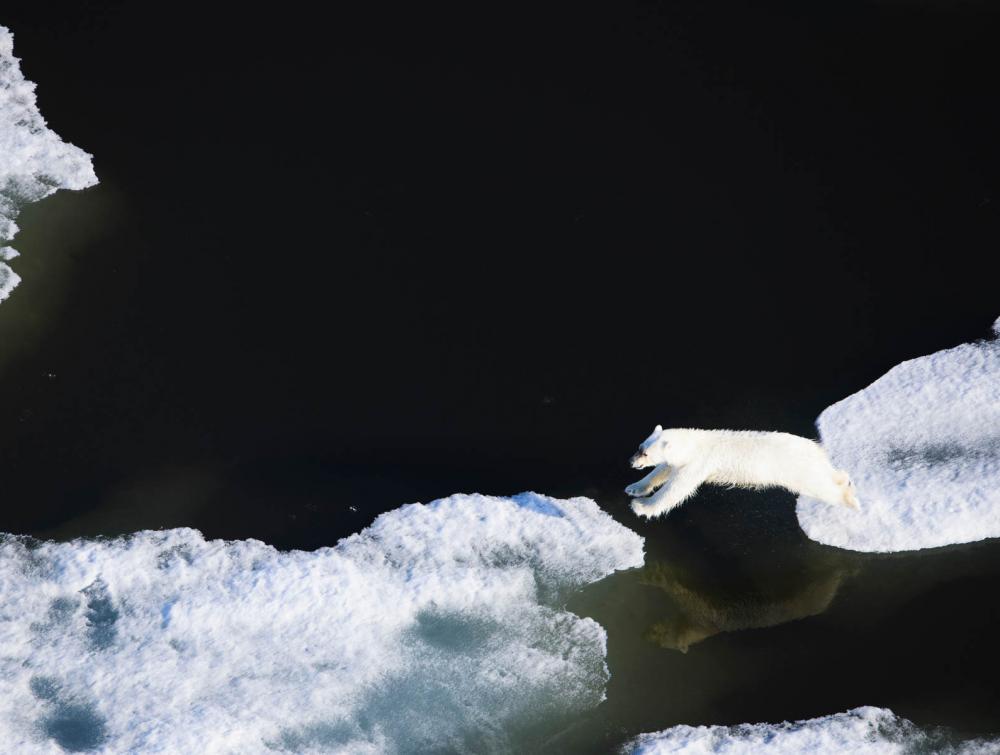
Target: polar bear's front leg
679 489
650 482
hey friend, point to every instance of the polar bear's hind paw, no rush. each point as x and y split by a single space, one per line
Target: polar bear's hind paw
848 495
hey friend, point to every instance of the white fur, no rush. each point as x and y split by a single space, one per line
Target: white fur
684 459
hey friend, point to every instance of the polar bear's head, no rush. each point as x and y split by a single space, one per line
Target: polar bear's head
675 446
650 450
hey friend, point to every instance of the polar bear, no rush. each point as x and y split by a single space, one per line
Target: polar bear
683 459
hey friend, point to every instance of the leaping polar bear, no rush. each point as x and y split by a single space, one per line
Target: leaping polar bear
684 459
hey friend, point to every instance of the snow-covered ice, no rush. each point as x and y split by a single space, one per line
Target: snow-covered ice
922 444
439 627
861 731
34 161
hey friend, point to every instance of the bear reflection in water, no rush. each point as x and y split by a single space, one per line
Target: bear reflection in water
703 611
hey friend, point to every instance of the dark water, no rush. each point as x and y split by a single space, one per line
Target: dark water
737 617
333 268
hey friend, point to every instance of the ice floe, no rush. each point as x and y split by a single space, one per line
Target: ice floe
34 161
922 444
862 731
439 627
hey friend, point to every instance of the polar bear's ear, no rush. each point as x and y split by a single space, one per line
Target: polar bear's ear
659 429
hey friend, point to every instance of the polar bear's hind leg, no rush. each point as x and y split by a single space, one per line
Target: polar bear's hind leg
848 496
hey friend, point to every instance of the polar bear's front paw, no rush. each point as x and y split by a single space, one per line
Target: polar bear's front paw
642 509
638 490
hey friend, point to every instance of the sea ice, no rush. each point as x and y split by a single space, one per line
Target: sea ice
438 628
34 161
922 444
862 731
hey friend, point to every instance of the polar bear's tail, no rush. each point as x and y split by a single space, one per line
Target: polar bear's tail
848 496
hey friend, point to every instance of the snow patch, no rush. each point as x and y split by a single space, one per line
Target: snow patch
438 628
922 445
34 161
867 731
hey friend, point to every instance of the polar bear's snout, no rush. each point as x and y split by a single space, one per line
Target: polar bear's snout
642 457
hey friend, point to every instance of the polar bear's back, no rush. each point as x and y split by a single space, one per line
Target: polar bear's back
760 459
